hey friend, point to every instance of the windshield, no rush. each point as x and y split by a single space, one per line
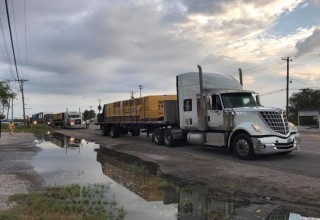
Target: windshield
74 116
234 100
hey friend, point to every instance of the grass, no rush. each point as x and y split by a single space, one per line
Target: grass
65 203
38 129
139 168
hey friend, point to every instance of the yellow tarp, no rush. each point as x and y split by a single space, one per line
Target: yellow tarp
144 108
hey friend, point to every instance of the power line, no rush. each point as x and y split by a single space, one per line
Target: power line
25 34
6 55
16 33
21 81
272 92
304 83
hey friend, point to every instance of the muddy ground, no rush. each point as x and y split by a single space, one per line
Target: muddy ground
16 172
295 192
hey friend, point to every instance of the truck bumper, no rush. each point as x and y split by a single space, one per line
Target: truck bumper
272 145
77 126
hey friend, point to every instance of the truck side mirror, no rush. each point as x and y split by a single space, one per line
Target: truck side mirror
258 100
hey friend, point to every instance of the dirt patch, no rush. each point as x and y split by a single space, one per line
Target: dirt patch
16 172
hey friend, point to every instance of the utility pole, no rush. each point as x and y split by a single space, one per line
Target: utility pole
140 87
99 106
12 109
287 97
21 81
90 106
132 94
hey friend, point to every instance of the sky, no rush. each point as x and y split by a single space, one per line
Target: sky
75 53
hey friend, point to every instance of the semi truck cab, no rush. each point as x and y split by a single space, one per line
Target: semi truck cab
215 110
73 120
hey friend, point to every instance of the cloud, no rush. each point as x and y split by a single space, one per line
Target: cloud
309 44
104 49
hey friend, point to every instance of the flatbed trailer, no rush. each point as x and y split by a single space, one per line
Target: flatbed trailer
166 117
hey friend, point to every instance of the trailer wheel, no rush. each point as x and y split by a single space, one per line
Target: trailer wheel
168 138
243 147
105 130
158 137
135 132
114 132
124 131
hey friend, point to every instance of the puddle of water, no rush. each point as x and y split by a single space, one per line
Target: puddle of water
138 186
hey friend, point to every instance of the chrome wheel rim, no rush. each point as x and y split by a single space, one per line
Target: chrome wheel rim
243 147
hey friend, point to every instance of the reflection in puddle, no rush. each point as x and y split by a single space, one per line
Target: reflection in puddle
139 187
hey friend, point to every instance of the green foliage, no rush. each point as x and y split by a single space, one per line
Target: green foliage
5 94
65 202
38 129
139 168
87 115
304 99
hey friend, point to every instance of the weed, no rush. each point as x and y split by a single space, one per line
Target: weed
63 203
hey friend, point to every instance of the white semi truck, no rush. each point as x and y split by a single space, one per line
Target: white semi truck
213 109
68 119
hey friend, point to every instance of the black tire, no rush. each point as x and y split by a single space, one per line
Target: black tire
114 132
124 131
105 130
168 138
135 132
243 146
158 137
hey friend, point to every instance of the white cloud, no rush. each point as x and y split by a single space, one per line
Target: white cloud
309 44
104 49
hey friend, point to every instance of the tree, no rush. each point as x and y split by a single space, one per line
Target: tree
5 95
88 114
304 99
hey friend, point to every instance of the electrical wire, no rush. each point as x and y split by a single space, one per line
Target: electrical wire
17 45
25 34
7 59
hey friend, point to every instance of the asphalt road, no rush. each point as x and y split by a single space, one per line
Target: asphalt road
305 161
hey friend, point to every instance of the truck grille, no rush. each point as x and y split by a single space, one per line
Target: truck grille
277 121
78 121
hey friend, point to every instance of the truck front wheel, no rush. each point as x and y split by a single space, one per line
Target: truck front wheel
243 147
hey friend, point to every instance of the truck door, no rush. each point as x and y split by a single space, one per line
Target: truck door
214 112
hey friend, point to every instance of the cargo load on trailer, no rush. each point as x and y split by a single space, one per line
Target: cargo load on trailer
149 108
211 109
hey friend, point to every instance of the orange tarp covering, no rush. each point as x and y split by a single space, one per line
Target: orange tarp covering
144 108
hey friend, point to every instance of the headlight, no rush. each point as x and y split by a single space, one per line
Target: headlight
292 126
72 123
256 128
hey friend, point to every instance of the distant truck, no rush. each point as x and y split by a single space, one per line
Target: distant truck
42 118
69 119
210 109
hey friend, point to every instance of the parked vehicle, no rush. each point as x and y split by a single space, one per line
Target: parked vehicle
69 119
15 121
210 109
